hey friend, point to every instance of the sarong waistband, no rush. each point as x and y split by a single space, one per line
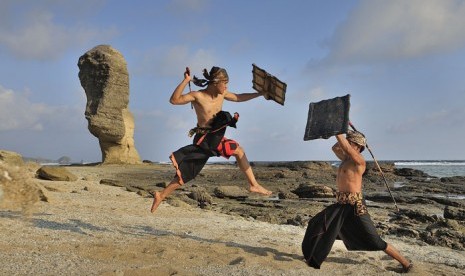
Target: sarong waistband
348 197
354 199
199 130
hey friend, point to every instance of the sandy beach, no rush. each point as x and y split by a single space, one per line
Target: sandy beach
87 228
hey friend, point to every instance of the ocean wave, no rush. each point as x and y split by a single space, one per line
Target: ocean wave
430 163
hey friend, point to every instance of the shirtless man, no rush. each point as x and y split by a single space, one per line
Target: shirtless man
208 104
352 223
350 172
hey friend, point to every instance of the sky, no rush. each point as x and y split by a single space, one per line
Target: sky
402 62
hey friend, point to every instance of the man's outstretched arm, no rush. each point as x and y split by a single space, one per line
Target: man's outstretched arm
242 97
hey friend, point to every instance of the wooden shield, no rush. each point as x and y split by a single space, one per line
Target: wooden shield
327 118
271 87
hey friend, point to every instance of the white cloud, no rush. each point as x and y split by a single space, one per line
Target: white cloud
391 30
17 112
35 35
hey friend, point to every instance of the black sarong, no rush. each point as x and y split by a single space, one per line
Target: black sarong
339 221
189 160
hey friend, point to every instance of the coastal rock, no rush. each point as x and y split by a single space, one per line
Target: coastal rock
55 173
405 232
18 190
201 196
309 165
105 79
313 191
453 179
112 182
287 195
373 175
407 172
447 201
11 158
445 233
410 215
371 168
454 213
230 192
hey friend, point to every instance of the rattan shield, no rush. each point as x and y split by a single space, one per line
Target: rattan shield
327 118
271 87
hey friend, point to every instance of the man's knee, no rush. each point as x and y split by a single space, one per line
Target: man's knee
239 152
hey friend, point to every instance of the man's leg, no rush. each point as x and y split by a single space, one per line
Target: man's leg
391 251
158 197
245 167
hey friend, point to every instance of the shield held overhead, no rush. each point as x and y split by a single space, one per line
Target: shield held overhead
327 118
270 86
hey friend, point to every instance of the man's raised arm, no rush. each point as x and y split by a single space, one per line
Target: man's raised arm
348 150
177 98
339 152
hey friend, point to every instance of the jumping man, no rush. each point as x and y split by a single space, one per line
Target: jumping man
209 137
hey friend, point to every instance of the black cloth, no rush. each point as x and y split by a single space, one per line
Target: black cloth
339 221
189 160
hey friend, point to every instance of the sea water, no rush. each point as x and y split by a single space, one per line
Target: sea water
437 168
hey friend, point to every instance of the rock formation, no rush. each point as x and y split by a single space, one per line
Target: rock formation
17 190
11 158
55 173
105 79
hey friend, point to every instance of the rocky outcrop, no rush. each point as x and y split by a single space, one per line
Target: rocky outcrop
55 173
410 173
314 191
17 191
11 158
454 213
230 192
105 79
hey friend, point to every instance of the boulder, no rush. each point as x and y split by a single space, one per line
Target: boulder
17 190
408 172
11 158
200 195
314 191
105 79
454 213
453 179
230 192
55 173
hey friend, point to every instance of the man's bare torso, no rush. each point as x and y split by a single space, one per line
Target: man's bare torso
349 177
350 172
206 106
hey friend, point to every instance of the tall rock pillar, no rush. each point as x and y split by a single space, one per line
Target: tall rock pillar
104 76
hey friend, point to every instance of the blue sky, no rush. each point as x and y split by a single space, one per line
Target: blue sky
403 62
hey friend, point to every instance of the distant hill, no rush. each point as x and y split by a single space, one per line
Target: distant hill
62 160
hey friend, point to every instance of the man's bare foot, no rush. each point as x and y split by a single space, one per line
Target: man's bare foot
156 201
259 189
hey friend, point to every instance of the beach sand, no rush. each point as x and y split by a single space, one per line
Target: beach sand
87 228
